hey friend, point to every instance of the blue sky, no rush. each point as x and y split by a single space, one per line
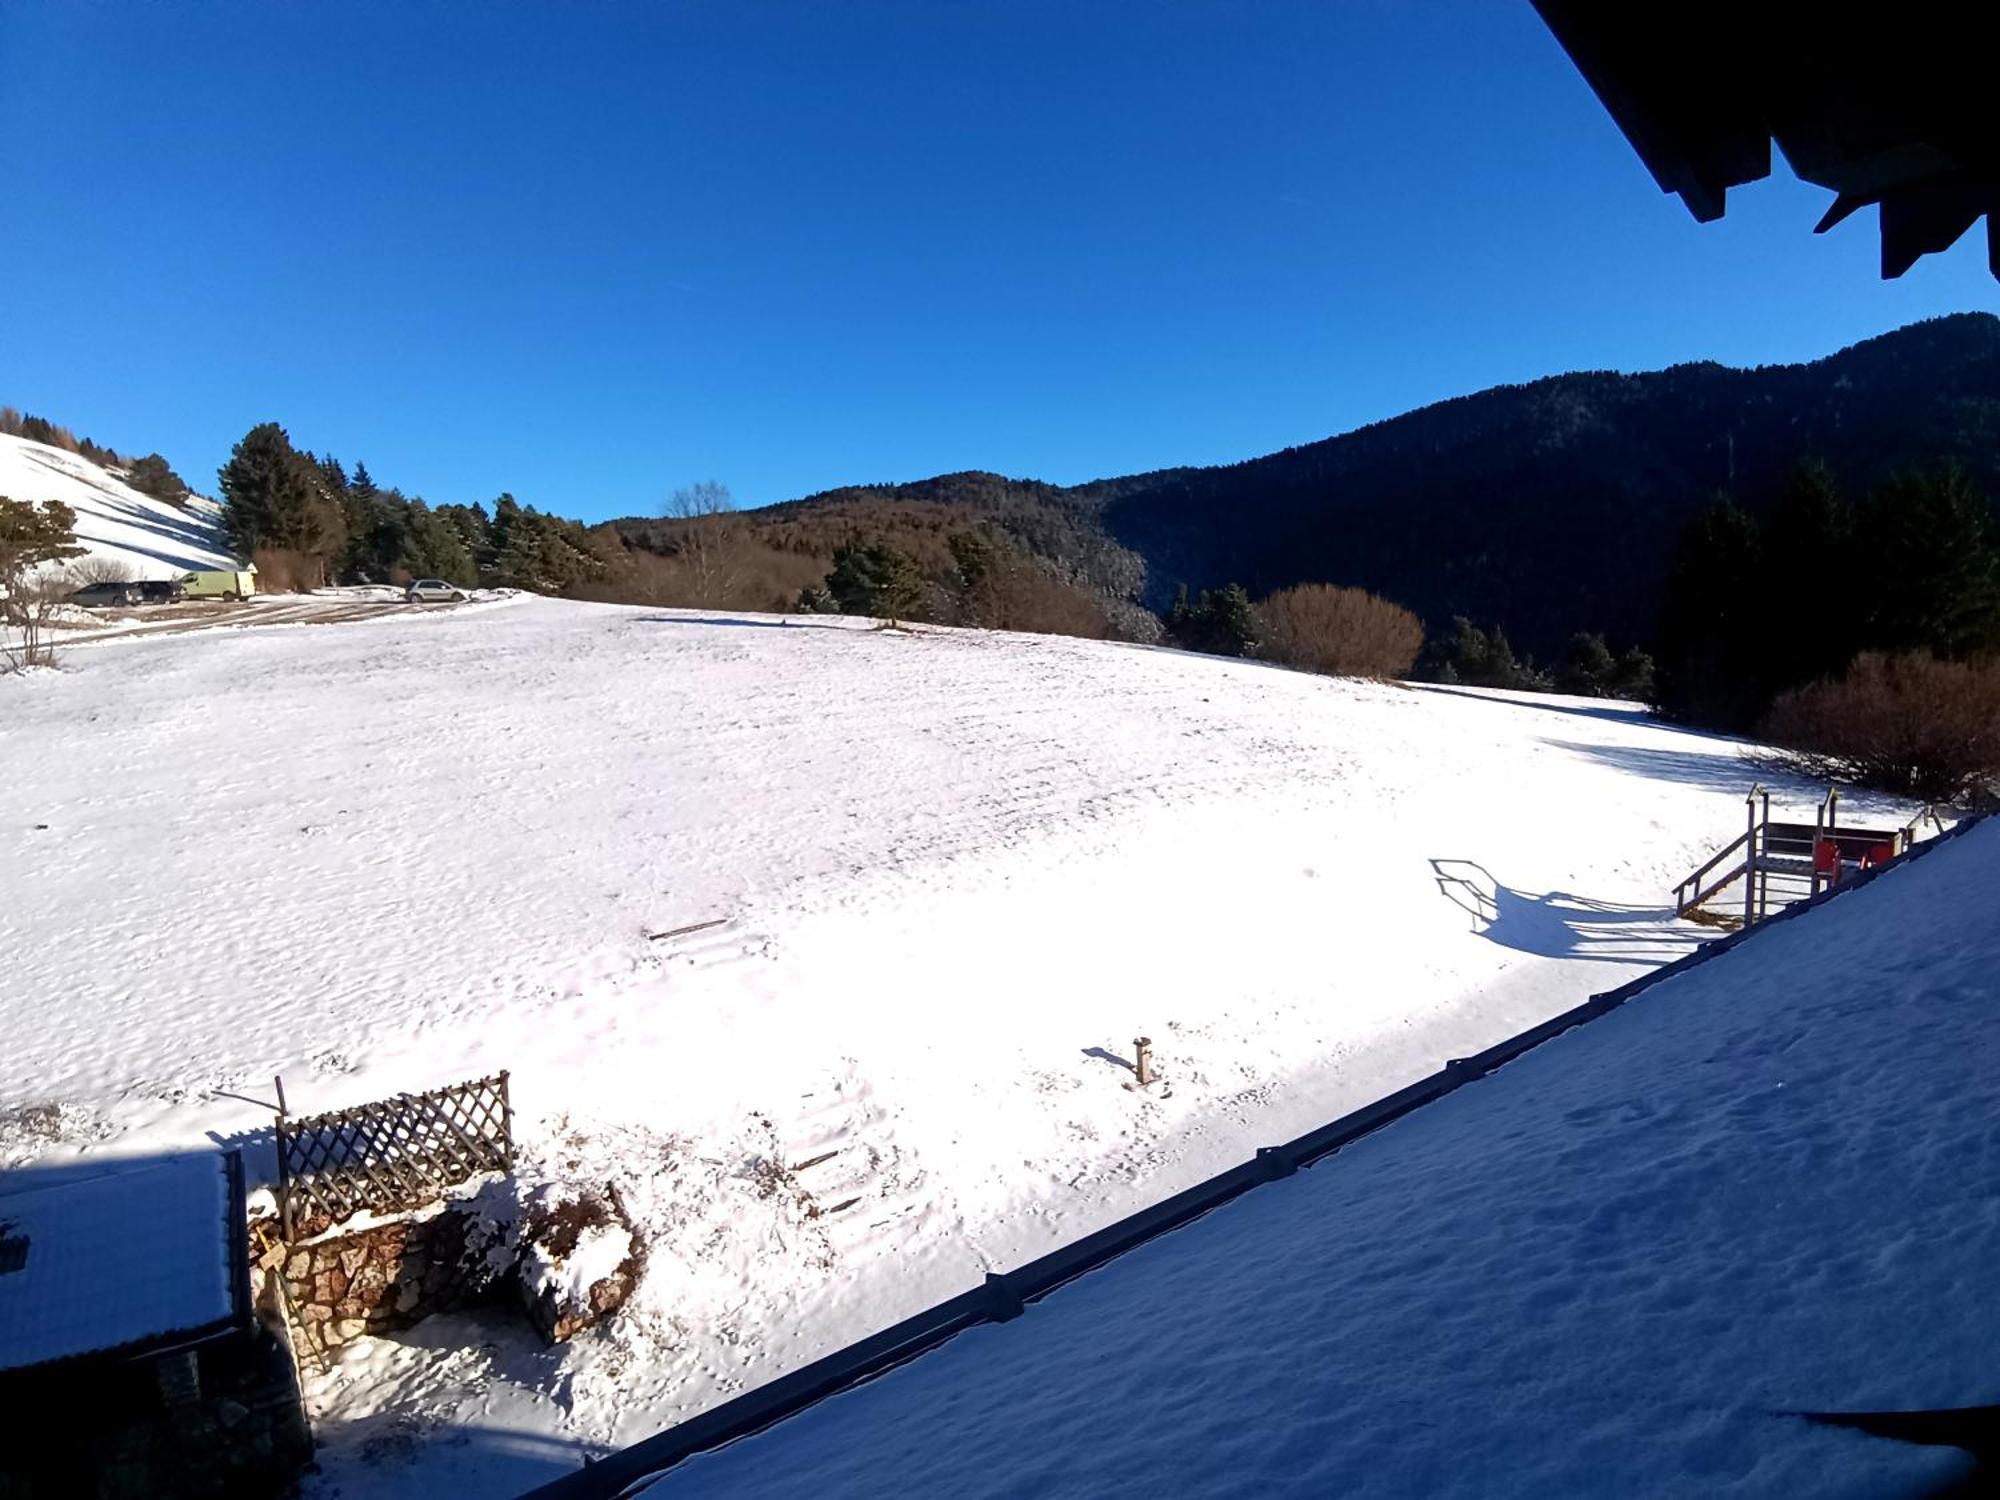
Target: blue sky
588 253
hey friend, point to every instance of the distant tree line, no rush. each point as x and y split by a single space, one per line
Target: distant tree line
1862 634
151 475
1758 603
306 522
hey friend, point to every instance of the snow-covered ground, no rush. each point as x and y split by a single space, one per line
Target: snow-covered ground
732 895
148 538
1622 1265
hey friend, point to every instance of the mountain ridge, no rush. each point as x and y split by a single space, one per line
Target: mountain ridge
1545 506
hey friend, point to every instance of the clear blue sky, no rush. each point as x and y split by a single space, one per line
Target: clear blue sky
589 252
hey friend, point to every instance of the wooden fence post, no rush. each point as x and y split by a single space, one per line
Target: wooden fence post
1142 1046
284 1175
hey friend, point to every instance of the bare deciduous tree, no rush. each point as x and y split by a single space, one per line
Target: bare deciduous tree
88 570
702 539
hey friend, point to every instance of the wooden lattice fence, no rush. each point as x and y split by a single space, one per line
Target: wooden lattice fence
394 1154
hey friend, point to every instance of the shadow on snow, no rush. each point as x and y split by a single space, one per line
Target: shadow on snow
1557 924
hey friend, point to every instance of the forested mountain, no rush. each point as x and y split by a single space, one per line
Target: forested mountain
1554 506
1546 508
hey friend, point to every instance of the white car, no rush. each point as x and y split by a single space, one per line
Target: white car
434 591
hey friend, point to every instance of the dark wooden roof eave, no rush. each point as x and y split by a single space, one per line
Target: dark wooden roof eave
1892 116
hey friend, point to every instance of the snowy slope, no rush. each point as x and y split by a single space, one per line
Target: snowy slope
113 521
1618 1266
946 878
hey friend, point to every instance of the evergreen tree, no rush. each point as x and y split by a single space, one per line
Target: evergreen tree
276 497
1588 668
1932 569
1633 677
433 548
153 476
1229 623
874 579
362 483
31 535
540 552
1221 622
1804 612
975 568
1712 663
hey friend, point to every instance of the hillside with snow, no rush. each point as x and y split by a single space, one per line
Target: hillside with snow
114 522
826 945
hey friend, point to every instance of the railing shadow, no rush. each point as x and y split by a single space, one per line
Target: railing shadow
1559 924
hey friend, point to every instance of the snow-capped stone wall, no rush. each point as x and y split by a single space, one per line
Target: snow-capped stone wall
390 1273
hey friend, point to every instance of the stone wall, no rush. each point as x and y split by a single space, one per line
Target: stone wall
387 1276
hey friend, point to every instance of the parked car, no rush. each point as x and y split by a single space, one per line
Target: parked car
107 595
161 590
434 591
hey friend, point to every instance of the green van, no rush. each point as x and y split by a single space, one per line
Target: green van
240 584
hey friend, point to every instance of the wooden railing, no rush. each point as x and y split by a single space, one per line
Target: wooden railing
393 1154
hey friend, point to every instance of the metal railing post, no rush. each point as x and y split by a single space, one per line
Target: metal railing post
1750 860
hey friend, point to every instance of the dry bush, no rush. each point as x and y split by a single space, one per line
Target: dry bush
1343 632
1910 724
88 570
1028 599
749 563
737 570
31 606
281 570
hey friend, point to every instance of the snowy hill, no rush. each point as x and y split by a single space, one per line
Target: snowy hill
114 522
823 943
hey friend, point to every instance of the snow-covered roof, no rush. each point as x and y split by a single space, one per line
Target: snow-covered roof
1622 1264
133 1258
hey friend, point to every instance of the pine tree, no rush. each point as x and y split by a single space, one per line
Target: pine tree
1805 614
1588 668
1932 566
1712 665
1228 622
975 563
31 535
276 497
874 579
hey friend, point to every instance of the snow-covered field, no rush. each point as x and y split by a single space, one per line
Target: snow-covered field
148 538
1622 1265
946 877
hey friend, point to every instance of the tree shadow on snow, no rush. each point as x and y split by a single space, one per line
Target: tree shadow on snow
1612 711
1557 924
784 622
1720 770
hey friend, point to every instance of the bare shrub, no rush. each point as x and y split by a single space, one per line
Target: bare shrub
1343 632
1908 723
88 570
285 570
30 608
1028 599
